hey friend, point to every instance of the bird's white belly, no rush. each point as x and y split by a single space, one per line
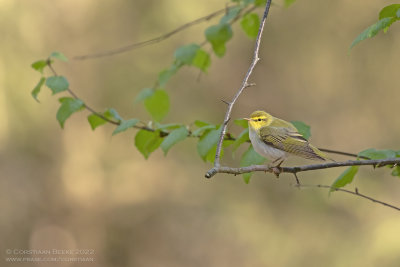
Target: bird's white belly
265 150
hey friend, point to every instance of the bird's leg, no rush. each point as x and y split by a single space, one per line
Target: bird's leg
280 160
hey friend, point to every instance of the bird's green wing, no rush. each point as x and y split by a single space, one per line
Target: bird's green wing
284 124
287 138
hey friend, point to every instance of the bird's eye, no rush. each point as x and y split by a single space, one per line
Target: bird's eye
259 119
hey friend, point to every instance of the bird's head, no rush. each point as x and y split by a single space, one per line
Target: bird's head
259 119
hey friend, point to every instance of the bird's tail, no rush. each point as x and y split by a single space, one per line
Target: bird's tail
320 155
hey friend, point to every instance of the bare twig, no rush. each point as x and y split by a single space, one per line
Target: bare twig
158 39
264 168
355 192
226 102
243 86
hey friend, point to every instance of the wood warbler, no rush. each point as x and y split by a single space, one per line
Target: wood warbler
277 139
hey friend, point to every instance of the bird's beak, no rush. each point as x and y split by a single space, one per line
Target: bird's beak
247 119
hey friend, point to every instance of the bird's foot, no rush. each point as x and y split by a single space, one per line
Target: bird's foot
276 168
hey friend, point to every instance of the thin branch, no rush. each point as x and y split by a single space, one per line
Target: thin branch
342 153
226 102
158 39
355 192
297 169
244 84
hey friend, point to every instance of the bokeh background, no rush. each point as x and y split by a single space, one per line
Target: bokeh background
79 189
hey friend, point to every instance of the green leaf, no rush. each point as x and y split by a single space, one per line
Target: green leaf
210 157
169 126
289 2
242 138
191 55
200 123
165 75
37 88
96 121
201 130
125 125
250 24
345 178
243 1
211 154
147 142
202 60
174 137
389 11
39 65
112 114
248 2
373 153
57 84
227 143
232 13
59 55
157 104
186 53
207 142
242 123
396 171
68 106
260 2
218 35
144 94
250 157
303 128
373 30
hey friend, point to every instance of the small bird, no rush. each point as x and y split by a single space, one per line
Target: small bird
277 139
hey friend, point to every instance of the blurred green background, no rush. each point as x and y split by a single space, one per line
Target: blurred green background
79 189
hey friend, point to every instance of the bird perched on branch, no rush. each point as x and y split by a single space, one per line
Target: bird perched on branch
277 139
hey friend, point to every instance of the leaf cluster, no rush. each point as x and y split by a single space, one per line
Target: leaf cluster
387 16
